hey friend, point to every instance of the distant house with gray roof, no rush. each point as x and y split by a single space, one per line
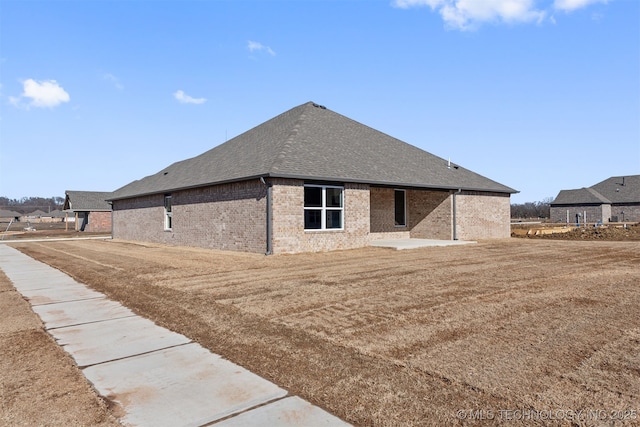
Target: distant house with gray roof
612 200
307 180
9 216
90 210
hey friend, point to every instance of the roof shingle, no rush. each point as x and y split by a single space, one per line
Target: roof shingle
614 190
314 143
95 201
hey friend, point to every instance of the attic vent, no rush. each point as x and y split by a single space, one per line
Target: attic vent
319 106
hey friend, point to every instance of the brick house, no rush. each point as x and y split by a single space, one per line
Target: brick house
612 200
310 180
90 210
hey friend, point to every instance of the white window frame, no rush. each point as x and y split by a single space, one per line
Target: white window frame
324 208
404 208
168 213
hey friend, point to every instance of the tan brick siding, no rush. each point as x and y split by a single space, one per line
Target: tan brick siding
482 215
229 217
233 217
428 214
289 235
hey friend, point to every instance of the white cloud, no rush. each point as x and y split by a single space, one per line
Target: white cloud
186 99
259 47
571 5
114 80
46 93
469 14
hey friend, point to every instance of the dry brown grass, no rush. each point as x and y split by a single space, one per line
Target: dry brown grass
39 383
383 337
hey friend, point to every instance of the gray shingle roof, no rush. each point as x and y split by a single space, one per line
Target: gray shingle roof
95 201
582 196
313 143
614 190
620 189
57 214
9 214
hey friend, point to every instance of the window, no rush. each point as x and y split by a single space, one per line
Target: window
323 207
400 208
168 214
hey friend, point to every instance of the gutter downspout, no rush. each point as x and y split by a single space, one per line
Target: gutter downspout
111 204
455 227
269 250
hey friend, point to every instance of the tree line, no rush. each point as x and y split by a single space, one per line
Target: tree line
532 209
27 205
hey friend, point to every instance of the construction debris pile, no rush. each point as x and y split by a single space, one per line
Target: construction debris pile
617 232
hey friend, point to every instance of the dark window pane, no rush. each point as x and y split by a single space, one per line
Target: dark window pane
334 219
400 208
334 197
312 219
312 197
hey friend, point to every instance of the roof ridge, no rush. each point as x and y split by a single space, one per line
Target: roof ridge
598 195
286 144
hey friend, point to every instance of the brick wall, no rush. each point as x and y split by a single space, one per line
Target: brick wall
99 222
481 215
228 217
289 235
233 217
428 214
629 212
594 213
604 213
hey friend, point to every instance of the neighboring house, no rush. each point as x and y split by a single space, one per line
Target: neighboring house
310 180
90 209
54 216
9 216
616 199
32 216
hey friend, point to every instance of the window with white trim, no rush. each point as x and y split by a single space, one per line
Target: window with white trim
400 203
323 207
168 213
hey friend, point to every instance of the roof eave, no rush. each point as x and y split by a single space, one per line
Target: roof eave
506 190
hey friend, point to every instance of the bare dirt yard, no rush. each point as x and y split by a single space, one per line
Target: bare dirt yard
39 383
609 232
509 332
43 230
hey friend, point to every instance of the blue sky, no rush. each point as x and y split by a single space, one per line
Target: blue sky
537 95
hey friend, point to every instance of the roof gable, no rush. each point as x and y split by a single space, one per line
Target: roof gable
87 201
9 214
585 196
314 143
614 190
620 189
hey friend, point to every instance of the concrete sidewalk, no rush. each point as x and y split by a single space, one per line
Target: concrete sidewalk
156 377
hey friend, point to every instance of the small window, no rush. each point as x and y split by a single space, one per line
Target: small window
400 208
323 207
168 214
